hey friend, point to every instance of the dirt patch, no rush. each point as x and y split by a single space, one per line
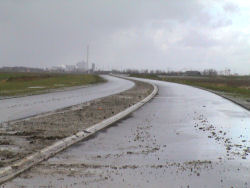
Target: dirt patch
33 134
4 141
6 154
241 149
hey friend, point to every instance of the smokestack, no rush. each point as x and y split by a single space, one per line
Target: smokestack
87 60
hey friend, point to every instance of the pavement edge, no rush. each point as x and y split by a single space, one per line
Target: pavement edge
24 164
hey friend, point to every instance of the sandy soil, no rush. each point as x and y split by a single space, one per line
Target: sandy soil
20 138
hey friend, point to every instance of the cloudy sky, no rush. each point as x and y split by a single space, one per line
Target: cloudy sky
141 34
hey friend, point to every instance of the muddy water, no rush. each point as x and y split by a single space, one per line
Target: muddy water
17 108
184 137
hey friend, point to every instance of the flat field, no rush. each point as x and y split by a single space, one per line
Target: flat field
15 84
234 85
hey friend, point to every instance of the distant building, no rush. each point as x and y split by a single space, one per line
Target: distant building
192 73
70 68
82 66
57 69
93 67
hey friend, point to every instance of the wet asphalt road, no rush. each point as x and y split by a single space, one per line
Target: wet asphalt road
184 137
17 108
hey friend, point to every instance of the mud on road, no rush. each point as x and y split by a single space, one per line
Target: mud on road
21 138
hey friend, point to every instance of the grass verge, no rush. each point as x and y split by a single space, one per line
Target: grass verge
15 84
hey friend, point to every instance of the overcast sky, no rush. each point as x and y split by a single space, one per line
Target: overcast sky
142 34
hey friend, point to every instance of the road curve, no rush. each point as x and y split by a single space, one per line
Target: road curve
184 137
17 108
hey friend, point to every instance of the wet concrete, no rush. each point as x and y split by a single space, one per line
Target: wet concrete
17 108
185 137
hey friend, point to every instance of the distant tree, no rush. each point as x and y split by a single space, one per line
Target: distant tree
210 72
145 71
227 72
160 72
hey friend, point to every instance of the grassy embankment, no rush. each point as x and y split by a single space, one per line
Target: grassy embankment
14 84
236 86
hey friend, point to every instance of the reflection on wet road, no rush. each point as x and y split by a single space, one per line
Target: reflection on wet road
17 108
184 137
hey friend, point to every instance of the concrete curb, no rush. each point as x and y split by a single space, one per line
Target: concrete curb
17 168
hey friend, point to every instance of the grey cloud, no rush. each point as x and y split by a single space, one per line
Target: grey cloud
198 40
222 22
121 33
231 7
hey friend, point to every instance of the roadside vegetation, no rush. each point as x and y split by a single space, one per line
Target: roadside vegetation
237 86
14 84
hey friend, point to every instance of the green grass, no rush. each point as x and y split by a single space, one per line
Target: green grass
234 85
14 84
